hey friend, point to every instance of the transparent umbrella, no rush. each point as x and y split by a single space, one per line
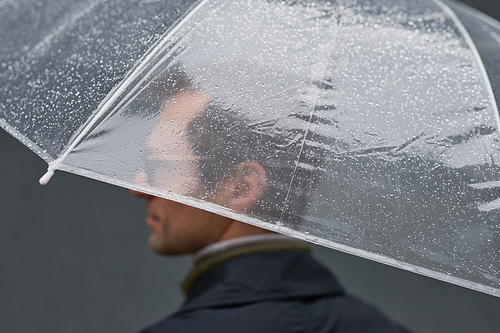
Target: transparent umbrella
374 123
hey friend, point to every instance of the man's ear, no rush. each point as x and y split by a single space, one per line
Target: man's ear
243 188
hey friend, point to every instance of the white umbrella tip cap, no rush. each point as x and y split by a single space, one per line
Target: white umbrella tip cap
46 177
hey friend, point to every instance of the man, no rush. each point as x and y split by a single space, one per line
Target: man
245 279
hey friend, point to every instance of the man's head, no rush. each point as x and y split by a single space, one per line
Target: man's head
205 145
172 165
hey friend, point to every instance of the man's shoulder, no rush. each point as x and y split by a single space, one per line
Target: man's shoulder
264 316
273 291
262 276
326 314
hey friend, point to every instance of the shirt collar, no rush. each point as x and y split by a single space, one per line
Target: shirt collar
230 244
216 253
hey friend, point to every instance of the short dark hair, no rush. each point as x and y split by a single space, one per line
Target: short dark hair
223 135
227 139
171 82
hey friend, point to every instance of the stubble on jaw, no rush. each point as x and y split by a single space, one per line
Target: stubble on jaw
179 229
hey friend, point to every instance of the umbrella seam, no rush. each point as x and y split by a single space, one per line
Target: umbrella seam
313 109
475 53
114 96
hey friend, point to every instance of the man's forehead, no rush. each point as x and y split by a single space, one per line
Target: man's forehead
167 140
184 105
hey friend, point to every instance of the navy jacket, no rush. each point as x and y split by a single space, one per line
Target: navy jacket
272 291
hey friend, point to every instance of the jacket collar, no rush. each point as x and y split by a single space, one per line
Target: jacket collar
205 263
258 272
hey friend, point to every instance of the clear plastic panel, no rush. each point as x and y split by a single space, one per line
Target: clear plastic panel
373 121
60 59
485 32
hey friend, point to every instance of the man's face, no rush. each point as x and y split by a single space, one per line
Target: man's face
177 228
171 164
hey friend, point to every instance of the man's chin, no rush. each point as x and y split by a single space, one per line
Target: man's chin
156 245
159 247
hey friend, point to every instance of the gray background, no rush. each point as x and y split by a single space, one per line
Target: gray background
74 258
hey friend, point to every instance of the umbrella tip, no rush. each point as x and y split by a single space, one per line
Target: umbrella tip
46 177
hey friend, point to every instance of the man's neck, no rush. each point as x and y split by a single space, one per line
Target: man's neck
239 229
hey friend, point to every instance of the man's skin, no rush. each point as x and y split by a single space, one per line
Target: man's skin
178 228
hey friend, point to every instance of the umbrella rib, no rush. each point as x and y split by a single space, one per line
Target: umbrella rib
475 52
295 170
313 110
483 17
121 88
41 46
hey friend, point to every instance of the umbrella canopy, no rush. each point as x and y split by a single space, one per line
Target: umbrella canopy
375 122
